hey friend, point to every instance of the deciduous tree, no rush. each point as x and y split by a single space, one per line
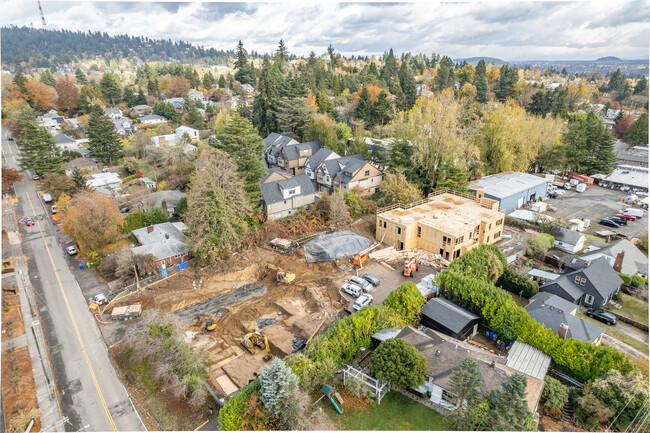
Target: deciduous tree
9 177
57 184
68 94
407 301
40 95
397 189
322 128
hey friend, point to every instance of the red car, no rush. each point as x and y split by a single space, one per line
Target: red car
29 222
626 216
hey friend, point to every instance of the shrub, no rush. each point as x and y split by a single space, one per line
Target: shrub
515 283
133 221
231 415
539 245
399 363
555 393
129 178
626 279
638 281
407 301
277 383
155 215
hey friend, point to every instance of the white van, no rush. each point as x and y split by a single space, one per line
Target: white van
47 198
352 289
638 213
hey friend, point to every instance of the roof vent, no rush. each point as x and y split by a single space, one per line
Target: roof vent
437 352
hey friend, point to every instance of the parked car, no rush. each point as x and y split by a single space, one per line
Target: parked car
626 216
53 209
352 289
125 209
362 301
36 177
361 282
619 220
567 185
638 213
609 223
71 250
101 299
603 316
371 279
47 198
29 222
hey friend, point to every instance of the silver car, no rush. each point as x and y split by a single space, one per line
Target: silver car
71 250
361 282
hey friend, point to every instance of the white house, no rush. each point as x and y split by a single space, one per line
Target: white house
113 112
195 95
193 133
106 180
568 240
153 119
164 140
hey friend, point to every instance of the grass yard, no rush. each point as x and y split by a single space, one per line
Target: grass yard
615 333
396 412
636 309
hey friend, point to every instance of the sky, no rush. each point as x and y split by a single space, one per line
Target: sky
509 30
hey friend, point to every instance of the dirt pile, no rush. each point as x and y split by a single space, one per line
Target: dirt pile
215 305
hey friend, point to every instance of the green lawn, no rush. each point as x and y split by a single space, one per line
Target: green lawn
396 412
636 309
615 333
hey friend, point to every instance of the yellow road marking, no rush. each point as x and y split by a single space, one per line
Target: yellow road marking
74 322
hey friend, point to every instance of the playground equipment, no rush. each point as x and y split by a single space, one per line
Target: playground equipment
333 395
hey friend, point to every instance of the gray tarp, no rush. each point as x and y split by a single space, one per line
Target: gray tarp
334 246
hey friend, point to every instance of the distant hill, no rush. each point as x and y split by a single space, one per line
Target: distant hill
608 59
47 48
474 60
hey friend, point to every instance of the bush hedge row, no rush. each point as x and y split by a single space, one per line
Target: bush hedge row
464 283
515 283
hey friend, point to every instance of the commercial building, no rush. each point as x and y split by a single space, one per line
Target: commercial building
513 190
446 223
627 177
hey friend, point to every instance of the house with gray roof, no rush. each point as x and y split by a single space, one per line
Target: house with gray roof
153 119
347 173
568 240
592 283
288 154
65 141
166 242
113 113
124 127
284 196
167 200
143 109
80 163
444 316
622 255
554 312
314 162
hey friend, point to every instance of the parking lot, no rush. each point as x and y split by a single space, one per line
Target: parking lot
596 203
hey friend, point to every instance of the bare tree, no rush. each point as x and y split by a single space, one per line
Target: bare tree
339 213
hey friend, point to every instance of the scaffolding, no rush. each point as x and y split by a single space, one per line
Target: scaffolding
380 389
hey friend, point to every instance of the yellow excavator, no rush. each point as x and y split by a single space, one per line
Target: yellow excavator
256 338
282 276
209 322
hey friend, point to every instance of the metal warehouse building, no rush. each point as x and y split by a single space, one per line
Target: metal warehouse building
512 190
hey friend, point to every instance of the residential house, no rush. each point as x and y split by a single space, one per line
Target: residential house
167 200
65 142
146 182
356 174
637 156
284 196
113 113
622 255
609 119
164 140
80 163
49 122
272 145
444 357
314 162
287 154
558 315
448 224
444 316
166 242
592 283
568 240
248 88
193 133
512 190
153 119
178 103
143 109
124 127
195 95
108 180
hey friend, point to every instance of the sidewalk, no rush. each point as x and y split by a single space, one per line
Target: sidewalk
48 401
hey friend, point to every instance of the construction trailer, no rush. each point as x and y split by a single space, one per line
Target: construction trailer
127 312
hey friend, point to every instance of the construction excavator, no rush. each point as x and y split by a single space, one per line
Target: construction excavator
281 276
362 257
256 338
209 322
410 266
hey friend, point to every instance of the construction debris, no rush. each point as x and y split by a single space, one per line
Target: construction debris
334 246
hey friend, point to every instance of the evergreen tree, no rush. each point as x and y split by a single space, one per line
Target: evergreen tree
222 82
382 109
103 141
78 179
641 85
390 73
409 88
110 87
277 384
80 77
337 86
207 81
508 410
637 133
40 154
480 81
589 147
282 54
152 87
19 80
293 117
616 82
141 99
465 387
505 86
266 103
194 119
540 104
246 148
445 77
363 109
47 78
129 97
243 74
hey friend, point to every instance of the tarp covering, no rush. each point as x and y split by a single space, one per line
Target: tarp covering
334 246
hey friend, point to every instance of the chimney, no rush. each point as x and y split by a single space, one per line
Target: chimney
618 263
149 229
563 332
494 363
166 235
164 204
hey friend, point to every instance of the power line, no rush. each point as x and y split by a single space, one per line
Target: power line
637 414
642 422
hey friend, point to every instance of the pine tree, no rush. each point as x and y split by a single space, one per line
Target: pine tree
78 179
246 148
637 133
110 87
222 82
207 81
41 154
382 109
47 78
277 383
465 387
505 87
241 64
363 109
409 88
129 97
480 81
80 77
266 103
141 100
103 141
445 77
508 410
19 80
641 85
281 54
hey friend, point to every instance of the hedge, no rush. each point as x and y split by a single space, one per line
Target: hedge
231 414
515 283
461 284
626 279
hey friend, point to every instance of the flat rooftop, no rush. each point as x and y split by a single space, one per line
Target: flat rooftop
503 185
446 212
629 175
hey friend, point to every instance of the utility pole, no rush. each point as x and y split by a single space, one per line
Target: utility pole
137 279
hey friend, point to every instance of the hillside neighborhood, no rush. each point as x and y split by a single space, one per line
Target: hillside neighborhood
196 239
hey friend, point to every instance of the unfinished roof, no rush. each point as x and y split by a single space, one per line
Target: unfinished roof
446 212
528 359
503 185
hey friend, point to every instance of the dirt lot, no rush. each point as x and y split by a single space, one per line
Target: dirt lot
12 320
18 391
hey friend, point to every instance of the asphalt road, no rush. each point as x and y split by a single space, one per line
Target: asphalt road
92 396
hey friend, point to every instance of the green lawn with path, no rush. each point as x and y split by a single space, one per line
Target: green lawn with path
635 309
396 412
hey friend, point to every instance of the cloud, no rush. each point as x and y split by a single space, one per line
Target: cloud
506 29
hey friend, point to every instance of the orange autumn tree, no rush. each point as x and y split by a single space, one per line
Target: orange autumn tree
41 95
311 102
373 91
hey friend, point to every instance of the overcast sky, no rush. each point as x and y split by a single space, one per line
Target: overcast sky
549 30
